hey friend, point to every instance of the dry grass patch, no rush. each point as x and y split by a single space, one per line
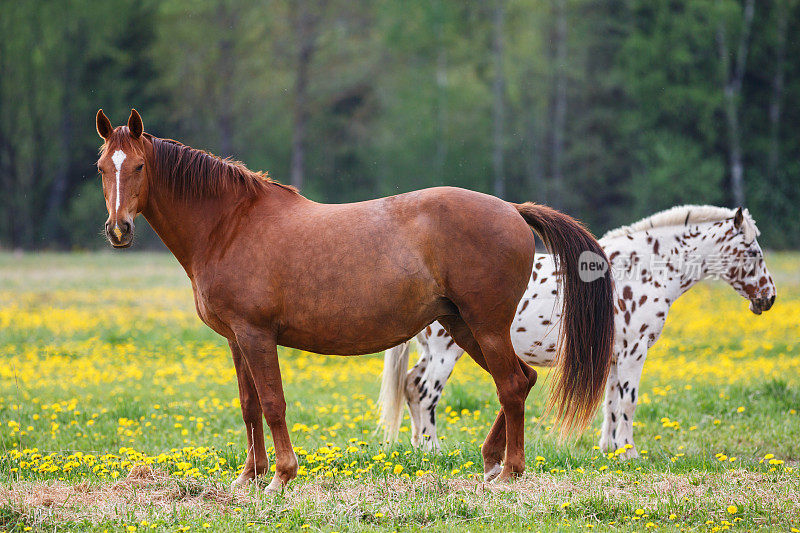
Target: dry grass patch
145 492
152 494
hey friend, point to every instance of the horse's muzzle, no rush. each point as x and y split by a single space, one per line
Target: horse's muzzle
120 234
759 305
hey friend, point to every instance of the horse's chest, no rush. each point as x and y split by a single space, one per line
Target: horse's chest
208 315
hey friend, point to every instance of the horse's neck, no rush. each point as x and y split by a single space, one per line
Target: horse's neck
686 251
178 226
671 260
199 230
188 226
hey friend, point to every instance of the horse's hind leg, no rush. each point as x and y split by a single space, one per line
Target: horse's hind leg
261 355
495 444
513 380
494 448
256 463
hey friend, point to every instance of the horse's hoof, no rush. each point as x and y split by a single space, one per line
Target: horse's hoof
431 445
506 477
489 475
629 454
275 487
241 482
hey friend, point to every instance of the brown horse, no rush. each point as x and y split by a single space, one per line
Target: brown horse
271 267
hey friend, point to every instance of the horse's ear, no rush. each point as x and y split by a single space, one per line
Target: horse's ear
104 128
738 218
135 124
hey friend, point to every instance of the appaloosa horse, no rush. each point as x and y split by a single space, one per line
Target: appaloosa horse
654 261
271 267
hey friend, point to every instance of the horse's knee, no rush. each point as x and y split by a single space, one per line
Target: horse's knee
627 409
512 393
274 409
251 412
413 379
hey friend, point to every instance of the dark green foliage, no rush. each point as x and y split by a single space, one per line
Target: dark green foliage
399 97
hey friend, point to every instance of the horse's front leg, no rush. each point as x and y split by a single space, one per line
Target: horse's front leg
257 462
629 370
414 377
610 408
424 385
260 353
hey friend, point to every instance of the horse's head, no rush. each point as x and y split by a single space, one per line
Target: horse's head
741 262
123 165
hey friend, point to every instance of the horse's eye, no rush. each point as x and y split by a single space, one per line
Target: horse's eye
139 167
753 253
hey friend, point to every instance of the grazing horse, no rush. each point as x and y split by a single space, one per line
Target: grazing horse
269 267
654 261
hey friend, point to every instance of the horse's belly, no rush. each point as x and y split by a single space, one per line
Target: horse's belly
364 327
536 347
534 332
351 339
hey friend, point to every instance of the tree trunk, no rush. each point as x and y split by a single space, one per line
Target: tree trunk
776 98
8 163
305 26
533 181
441 97
498 90
7 154
559 103
53 231
732 80
225 69
734 147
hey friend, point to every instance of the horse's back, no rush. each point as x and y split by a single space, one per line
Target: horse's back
444 235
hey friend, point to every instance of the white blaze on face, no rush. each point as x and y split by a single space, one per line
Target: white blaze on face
118 157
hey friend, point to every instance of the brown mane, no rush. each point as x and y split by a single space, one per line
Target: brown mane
189 172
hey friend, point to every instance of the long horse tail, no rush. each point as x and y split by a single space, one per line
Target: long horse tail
586 335
393 390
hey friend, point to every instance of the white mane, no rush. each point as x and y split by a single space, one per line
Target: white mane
683 215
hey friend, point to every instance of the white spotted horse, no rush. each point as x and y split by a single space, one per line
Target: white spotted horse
654 261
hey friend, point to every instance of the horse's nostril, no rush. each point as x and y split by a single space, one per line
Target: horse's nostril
119 232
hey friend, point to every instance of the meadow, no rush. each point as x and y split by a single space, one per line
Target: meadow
119 411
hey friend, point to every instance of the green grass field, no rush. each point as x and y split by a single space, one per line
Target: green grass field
119 411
